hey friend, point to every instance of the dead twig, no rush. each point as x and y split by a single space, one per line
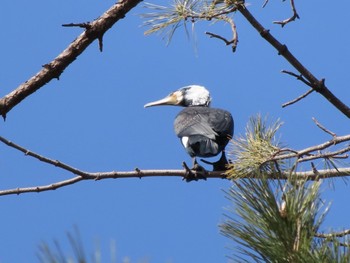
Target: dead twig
292 18
335 155
308 151
319 125
234 41
85 25
334 234
298 77
302 79
298 98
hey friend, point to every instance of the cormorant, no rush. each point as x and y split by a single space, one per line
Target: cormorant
203 131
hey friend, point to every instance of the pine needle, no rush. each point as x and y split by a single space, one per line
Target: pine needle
250 154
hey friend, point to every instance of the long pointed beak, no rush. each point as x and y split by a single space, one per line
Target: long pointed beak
169 100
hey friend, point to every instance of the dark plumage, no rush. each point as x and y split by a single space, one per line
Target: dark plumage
207 130
203 131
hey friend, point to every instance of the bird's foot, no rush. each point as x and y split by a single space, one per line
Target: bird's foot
196 173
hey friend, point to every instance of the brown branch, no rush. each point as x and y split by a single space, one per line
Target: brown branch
138 173
334 234
319 125
298 77
298 98
309 175
292 18
54 69
86 25
234 41
317 85
335 154
297 154
265 3
44 159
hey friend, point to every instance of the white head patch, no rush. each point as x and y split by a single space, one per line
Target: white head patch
196 95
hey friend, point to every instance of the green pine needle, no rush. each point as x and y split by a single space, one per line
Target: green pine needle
268 231
251 155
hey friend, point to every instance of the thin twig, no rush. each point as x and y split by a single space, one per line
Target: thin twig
85 25
298 77
319 125
334 234
55 68
298 98
265 3
292 18
335 155
298 154
213 35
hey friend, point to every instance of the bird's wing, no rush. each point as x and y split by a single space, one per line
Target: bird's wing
196 125
204 121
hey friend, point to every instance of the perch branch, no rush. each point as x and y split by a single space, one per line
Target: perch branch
317 85
94 30
310 175
138 173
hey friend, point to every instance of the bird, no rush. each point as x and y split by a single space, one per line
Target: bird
203 131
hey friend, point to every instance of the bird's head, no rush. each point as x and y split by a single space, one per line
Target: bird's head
193 95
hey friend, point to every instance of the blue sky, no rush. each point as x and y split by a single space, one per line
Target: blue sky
93 119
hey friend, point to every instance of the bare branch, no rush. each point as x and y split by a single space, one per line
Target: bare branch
234 40
292 18
138 173
86 25
309 175
319 125
44 159
298 154
94 30
317 85
334 234
302 79
335 154
299 77
298 98
265 3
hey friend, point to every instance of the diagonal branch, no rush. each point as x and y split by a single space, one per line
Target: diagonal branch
298 98
317 85
54 69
